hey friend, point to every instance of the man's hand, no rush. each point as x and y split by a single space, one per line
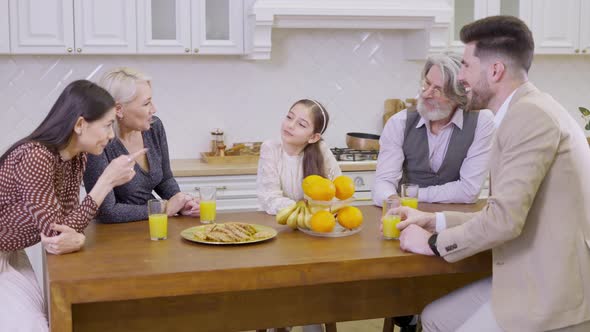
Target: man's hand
409 216
415 239
68 241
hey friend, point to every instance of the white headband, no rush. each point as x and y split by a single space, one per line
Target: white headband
323 116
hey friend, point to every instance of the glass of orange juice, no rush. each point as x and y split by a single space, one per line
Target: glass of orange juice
208 204
390 219
410 195
158 219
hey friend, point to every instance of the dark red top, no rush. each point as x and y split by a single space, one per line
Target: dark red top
37 189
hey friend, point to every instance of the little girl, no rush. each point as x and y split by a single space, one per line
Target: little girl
299 153
286 162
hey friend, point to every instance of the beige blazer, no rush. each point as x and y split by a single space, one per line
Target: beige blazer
537 220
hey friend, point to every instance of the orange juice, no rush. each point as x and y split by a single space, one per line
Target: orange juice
390 230
158 226
410 202
208 211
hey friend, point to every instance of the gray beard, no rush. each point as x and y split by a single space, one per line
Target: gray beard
436 114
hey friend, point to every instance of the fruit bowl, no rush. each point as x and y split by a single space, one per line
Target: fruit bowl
338 231
332 206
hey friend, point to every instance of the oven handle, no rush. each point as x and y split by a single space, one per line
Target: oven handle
358 181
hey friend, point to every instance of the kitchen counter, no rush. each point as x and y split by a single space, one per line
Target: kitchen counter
294 279
196 167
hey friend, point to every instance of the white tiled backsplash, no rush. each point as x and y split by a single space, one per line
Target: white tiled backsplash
351 72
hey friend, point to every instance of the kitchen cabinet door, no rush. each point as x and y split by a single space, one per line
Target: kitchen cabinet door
467 11
4 31
555 25
41 26
217 26
585 28
105 26
164 26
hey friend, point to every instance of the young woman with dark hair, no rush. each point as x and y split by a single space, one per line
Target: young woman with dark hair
299 153
40 177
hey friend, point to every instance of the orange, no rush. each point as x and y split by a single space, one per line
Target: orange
319 189
309 181
323 222
344 187
350 217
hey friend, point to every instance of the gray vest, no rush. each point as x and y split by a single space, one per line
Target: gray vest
416 167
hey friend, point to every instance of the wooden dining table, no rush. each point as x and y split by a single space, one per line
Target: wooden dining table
123 281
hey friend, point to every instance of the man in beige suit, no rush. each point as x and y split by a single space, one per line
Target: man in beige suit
537 220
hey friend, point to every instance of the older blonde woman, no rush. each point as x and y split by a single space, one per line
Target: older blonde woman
137 128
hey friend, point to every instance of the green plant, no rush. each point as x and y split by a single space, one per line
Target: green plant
586 115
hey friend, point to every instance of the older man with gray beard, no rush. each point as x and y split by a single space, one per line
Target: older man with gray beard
438 146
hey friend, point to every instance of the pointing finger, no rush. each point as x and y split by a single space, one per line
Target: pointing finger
134 155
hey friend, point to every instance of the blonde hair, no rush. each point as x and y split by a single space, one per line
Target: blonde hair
121 83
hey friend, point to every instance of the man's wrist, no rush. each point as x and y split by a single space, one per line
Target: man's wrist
432 244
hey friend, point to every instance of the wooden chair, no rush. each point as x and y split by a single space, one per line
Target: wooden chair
329 327
388 324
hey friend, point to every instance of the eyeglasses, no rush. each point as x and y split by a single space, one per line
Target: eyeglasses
426 87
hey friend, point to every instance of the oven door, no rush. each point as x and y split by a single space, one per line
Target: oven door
363 182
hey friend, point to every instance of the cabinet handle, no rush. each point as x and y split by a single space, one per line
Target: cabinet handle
196 50
79 50
577 50
218 188
186 50
70 50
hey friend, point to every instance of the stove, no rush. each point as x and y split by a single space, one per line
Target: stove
347 154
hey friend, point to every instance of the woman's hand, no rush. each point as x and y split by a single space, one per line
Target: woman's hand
191 208
176 203
67 241
121 169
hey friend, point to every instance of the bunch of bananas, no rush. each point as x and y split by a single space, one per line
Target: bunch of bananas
296 215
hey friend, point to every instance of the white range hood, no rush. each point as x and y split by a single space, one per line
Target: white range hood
417 18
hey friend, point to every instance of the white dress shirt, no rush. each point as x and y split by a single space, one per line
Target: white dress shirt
472 173
441 222
279 177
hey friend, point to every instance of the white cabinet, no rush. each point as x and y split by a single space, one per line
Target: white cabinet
105 26
4 31
191 26
48 26
41 26
584 27
558 26
467 11
234 192
217 26
238 192
164 26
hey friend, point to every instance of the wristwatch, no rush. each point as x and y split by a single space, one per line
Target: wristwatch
432 244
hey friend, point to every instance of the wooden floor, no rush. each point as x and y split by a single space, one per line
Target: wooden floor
371 325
